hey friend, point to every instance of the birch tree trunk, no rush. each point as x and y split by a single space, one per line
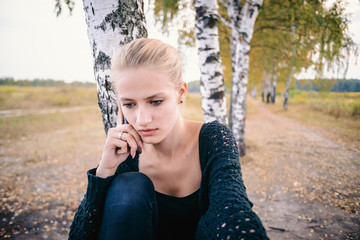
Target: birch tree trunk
241 34
253 92
268 88
213 100
110 24
273 88
286 95
288 82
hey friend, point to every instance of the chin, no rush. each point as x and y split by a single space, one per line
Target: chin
152 139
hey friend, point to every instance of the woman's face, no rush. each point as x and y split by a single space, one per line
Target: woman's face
149 101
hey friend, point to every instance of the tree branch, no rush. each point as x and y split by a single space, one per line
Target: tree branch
225 22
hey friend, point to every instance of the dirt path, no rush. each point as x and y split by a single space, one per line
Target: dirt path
303 185
23 112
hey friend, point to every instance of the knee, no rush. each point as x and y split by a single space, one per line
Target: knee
132 189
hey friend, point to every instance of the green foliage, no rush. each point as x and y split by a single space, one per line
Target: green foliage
58 6
324 85
350 85
172 12
165 11
320 39
224 42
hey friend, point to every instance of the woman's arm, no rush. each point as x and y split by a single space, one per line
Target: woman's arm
88 216
230 214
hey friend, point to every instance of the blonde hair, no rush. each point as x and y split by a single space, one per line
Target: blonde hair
148 52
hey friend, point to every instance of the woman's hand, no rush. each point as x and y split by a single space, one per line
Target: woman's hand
121 141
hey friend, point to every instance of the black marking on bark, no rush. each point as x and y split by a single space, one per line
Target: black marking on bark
86 9
217 95
217 74
207 48
198 29
126 17
214 35
93 11
102 61
106 102
201 38
251 12
258 6
244 35
102 104
214 57
210 20
200 12
108 85
94 49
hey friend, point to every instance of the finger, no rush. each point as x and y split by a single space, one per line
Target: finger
126 138
121 147
132 143
120 116
128 128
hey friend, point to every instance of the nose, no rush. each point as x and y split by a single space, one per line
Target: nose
143 116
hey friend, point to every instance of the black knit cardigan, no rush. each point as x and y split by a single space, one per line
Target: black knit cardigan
225 210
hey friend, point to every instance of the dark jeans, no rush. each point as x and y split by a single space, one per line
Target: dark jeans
130 210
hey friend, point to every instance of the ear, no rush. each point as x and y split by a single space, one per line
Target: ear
182 92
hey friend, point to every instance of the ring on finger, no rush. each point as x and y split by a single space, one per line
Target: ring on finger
119 135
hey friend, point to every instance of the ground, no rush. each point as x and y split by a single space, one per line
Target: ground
303 184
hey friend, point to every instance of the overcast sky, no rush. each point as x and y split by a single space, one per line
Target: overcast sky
34 43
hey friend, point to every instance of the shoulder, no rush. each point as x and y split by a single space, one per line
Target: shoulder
216 137
215 130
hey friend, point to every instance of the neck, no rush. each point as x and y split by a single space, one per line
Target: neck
168 148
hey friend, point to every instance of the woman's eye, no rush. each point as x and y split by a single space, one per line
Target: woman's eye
156 102
128 105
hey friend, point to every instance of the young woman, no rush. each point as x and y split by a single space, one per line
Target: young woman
161 176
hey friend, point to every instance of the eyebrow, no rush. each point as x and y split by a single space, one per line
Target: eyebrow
147 98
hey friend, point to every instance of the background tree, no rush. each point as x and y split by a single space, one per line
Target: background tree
288 37
296 35
241 22
211 78
167 12
111 24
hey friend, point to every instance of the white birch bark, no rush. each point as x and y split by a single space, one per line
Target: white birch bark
268 87
111 23
286 95
273 88
253 92
241 34
213 99
288 82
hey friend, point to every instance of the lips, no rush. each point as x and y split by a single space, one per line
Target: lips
147 132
